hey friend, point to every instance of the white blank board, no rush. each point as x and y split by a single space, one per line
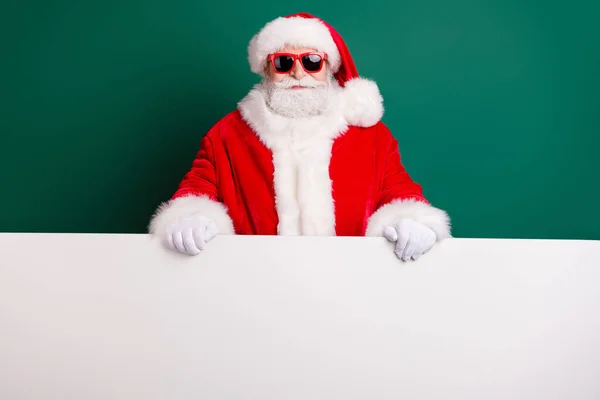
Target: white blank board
118 317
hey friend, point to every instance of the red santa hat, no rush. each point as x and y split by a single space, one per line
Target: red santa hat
363 104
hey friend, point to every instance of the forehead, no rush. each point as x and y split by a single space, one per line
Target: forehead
296 50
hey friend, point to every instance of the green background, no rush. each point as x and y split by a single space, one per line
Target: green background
496 105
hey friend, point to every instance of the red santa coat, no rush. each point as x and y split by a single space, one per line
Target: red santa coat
338 174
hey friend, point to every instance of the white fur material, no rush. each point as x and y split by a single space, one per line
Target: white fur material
294 31
175 209
301 151
391 213
363 103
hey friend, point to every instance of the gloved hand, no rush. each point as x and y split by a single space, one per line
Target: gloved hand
190 234
413 239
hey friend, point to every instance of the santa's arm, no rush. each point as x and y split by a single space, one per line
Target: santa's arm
197 195
402 198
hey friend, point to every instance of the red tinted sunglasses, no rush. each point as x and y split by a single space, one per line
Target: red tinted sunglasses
284 62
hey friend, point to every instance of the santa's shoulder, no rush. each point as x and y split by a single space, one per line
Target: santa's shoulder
377 138
229 126
378 132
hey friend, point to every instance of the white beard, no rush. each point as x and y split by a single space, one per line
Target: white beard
315 100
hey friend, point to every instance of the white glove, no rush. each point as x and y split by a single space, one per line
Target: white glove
190 234
413 239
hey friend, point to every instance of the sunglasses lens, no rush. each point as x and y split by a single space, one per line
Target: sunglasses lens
312 62
283 63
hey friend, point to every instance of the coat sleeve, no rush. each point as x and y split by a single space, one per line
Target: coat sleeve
197 194
400 197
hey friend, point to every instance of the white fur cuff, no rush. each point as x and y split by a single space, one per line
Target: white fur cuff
362 102
391 213
169 212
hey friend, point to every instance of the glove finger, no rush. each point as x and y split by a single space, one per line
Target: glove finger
211 232
188 242
199 238
168 239
417 255
390 234
403 241
410 249
178 241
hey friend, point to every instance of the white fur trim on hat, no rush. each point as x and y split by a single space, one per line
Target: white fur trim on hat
293 31
362 102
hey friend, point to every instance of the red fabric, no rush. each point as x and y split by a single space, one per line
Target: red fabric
234 167
347 69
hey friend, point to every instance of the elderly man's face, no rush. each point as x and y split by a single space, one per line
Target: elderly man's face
297 93
297 72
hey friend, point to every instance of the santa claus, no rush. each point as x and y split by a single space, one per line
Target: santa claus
305 153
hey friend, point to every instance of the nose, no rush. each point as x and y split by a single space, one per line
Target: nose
298 71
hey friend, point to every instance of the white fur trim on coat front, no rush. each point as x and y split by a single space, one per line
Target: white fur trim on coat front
171 211
362 102
391 213
301 151
294 31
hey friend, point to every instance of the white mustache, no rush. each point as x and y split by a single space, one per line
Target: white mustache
307 81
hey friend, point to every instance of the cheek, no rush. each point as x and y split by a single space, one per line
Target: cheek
321 75
274 76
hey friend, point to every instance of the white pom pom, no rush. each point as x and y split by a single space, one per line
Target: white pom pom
363 103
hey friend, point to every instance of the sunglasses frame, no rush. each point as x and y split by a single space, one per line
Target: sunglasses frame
297 57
